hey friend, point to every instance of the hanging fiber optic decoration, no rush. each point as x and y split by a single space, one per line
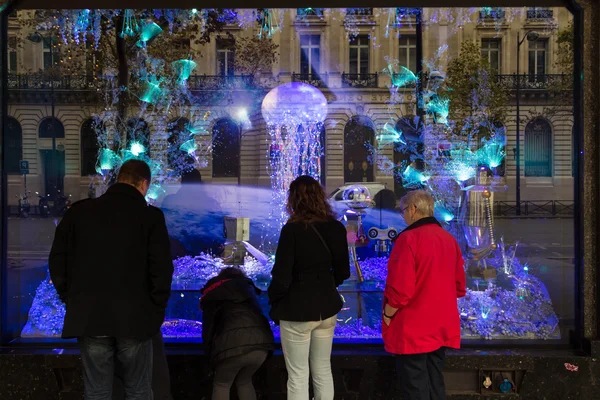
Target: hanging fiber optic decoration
462 165
149 32
107 160
189 146
268 24
442 212
152 91
130 24
412 178
492 152
183 68
389 135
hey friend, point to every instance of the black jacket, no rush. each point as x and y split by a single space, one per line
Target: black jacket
110 263
306 275
232 321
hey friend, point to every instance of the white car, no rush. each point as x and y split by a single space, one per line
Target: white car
374 187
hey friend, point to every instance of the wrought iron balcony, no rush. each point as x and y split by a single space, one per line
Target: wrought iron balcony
488 13
536 82
220 82
359 80
317 80
43 81
359 11
309 12
539 13
89 82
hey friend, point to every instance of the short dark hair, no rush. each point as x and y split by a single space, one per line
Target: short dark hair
191 176
134 172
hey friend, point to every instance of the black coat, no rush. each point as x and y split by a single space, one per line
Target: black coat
110 263
232 321
306 275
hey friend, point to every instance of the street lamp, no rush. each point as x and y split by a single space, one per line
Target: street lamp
531 36
36 37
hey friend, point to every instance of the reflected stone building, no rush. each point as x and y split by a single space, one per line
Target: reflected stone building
340 52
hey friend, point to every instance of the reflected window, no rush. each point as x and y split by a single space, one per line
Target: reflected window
359 54
491 51
225 149
408 52
14 146
51 128
89 146
310 54
225 57
359 135
538 148
138 133
537 58
12 55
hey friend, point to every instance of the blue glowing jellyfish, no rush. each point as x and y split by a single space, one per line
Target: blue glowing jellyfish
412 178
492 152
149 32
183 69
107 160
151 92
189 146
389 135
402 78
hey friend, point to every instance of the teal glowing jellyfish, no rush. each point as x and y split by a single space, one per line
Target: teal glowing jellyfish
151 92
389 135
196 130
107 160
402 78
462 165
137 148
440 106
189 146
183 69
149 32
412 178
442 212
492 152
154 192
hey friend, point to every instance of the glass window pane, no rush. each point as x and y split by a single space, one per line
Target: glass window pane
195 118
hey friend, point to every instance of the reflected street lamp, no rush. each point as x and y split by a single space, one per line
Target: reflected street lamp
531 36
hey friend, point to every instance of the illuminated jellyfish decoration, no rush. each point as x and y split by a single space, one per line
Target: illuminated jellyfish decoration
137 149
189 146
107 160
413 179
402 78
130 24
183 69
440 107
442 212
154 192
149 32
151 91
462 165
389 135
492 152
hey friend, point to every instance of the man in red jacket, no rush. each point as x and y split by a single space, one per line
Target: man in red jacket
420 314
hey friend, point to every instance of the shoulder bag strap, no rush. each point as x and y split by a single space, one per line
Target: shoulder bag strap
322 240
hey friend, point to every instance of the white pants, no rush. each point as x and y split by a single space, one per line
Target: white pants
303 342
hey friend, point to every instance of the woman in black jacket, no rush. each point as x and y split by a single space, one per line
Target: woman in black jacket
310 263
237 336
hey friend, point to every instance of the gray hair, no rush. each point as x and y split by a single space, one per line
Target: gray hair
421 199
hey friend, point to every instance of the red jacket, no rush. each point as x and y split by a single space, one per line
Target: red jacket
425 277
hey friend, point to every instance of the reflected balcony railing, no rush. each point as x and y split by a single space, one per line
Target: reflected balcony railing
359 80
310 13
359 12
91 82
540 13
537 82
492 14
315 79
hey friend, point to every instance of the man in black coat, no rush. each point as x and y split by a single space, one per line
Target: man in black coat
110 263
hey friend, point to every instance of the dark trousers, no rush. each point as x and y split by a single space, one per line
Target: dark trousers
421 375
100 355
161 381
239 370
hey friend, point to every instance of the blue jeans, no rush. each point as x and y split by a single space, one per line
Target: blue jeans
99 355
